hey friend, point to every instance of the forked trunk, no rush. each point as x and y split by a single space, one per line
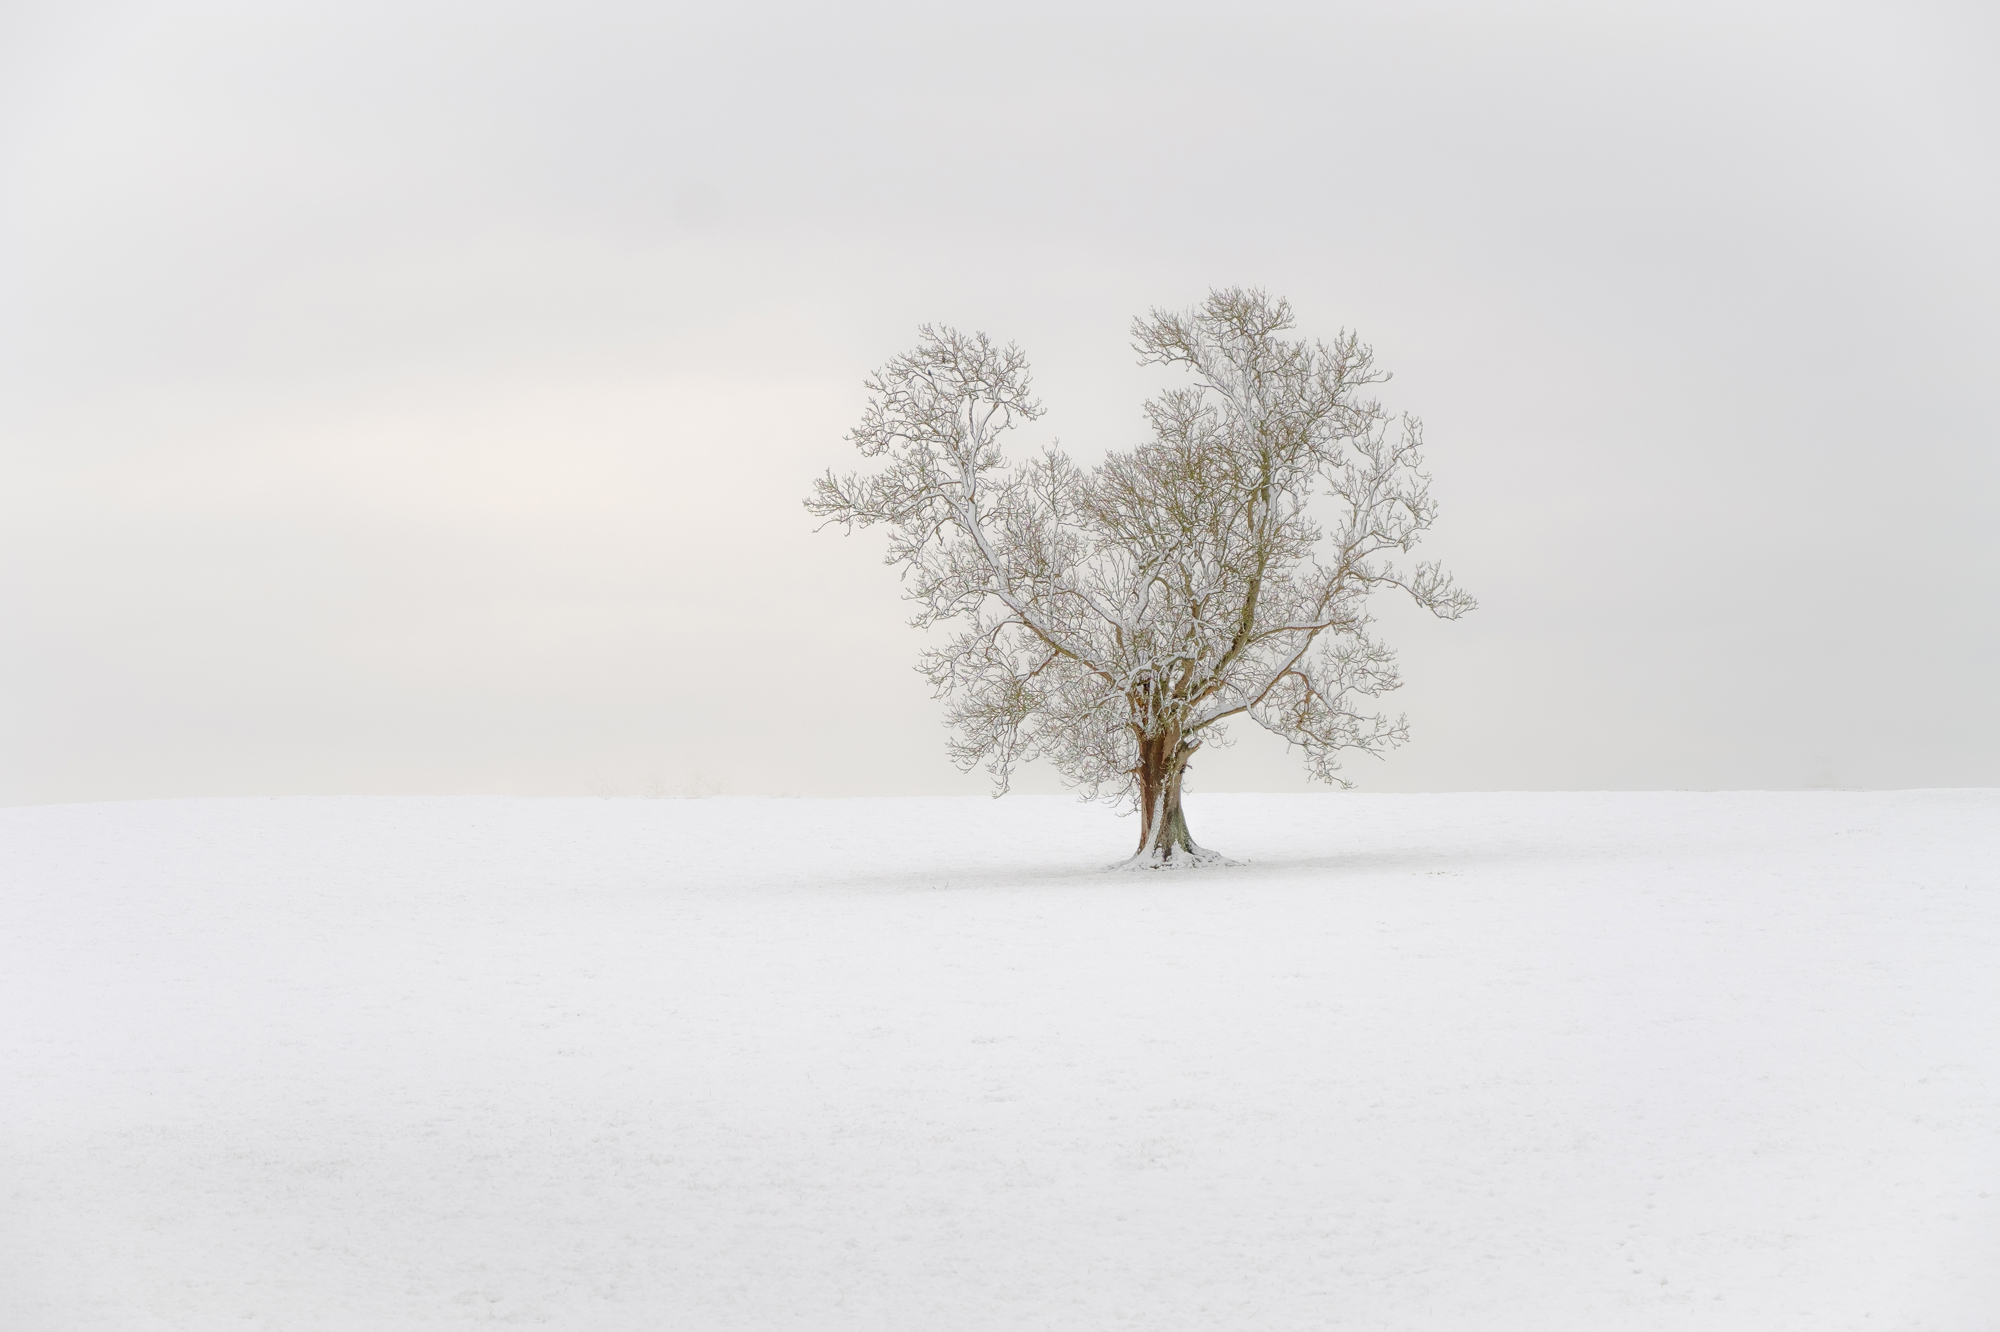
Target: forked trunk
1164 840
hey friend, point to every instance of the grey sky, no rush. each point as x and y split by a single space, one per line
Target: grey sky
419 397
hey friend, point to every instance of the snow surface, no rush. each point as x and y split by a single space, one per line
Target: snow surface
1426 1062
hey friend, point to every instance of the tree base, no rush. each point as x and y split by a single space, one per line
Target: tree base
1176 858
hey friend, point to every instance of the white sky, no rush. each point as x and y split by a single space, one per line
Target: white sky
417 397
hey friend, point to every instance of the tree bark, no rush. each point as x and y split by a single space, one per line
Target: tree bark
1164 839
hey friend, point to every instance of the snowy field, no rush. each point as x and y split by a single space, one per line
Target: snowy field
1598 1062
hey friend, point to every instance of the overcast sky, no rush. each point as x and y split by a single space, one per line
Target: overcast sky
418 398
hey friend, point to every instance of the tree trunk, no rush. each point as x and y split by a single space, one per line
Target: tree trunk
1164 840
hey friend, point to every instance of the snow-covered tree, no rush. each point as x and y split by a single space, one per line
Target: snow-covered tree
1113 620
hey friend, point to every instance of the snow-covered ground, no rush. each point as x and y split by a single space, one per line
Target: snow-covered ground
1527 1061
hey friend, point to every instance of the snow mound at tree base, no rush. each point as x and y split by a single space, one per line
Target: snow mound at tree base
1176 859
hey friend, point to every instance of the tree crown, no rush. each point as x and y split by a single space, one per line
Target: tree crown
1219 569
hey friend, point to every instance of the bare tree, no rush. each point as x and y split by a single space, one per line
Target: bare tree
1113 621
